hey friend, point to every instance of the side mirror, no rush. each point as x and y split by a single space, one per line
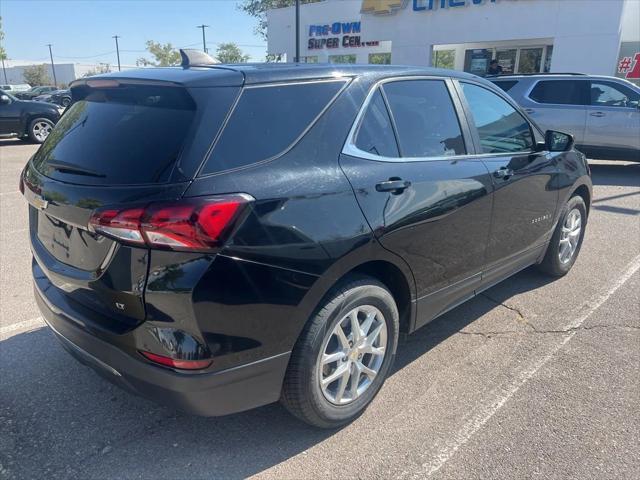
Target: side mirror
5 100
558 141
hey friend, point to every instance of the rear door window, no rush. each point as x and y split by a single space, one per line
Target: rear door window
501 128
268 120
425 118
131 134
376 135
560 92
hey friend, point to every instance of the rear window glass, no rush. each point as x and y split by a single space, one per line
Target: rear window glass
559 92
124 135
266 121
506 85
376 133
425 118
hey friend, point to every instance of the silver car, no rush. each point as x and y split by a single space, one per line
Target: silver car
602 113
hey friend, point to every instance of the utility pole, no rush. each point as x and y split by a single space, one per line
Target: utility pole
53 67
117 49
297 59
204 39
4 71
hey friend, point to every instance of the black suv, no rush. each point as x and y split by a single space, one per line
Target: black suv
26 119
221 237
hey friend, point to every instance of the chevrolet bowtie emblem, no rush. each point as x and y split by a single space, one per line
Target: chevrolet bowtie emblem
382 6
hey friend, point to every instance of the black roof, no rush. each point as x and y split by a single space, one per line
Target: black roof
256 73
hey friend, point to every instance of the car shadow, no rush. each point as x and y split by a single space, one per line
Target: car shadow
13 142
625 174
89 425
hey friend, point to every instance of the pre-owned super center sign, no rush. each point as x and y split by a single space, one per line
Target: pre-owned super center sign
336 35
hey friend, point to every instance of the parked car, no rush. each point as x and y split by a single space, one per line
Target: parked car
207 237
34 92
59 97
21 87
26 119
602 113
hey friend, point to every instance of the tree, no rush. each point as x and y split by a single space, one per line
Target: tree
36 75
258 9
3 52
230 53
164 55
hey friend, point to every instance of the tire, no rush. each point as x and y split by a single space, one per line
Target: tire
66 101
556 263
302 393
39 129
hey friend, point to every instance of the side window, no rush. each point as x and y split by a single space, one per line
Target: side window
500 127
560 92
506 85
425 118
607 94
267 120
376 133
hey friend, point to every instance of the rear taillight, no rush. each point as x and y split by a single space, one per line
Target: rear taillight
175 363
192 224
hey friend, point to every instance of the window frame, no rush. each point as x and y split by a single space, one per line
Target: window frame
350 148
585 100
536 132
345 80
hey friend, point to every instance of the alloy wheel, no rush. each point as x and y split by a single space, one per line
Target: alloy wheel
41 130
352 355
570 236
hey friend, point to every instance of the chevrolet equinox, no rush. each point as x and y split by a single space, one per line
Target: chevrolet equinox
220 237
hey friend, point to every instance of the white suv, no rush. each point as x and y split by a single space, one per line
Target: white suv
602 113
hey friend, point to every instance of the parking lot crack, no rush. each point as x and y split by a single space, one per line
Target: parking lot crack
516 310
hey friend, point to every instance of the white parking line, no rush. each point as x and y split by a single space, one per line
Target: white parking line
499 396
20 327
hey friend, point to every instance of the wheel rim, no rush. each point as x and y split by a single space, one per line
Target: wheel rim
352 355
570 236
41 130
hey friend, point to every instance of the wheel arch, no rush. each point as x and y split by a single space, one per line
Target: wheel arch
385 267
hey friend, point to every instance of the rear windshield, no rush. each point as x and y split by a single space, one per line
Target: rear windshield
267 120
131 134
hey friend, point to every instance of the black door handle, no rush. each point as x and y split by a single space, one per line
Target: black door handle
393 185
503 172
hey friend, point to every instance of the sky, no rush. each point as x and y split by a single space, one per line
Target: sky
81 30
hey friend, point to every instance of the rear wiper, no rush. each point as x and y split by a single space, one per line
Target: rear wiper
65 167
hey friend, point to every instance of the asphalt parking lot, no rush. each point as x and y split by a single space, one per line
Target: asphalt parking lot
533 379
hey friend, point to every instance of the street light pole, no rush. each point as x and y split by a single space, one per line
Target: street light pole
53 67
117 50
297 59
204 39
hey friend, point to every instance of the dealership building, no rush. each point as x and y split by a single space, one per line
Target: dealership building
524 36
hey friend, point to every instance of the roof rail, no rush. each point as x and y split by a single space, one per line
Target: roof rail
196 58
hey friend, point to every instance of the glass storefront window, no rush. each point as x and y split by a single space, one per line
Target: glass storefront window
547 60
477 61
530 60
380 58
507 60
342 59
311 59
444 59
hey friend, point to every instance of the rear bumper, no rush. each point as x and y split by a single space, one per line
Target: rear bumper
209 394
